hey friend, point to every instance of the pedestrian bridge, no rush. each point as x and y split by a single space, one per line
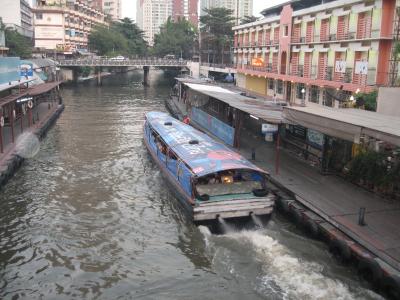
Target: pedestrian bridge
108 62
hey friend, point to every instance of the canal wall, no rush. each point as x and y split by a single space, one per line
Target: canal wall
10 161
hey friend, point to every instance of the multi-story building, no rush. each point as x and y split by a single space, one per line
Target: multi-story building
151 15
319 51
17 14
112 8
240 8
66 25
185 9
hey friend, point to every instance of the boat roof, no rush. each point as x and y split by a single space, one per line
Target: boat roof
206 157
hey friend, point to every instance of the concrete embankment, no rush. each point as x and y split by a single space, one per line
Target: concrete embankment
11 159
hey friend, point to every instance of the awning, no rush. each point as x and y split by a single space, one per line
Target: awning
258 107
340 49
347 124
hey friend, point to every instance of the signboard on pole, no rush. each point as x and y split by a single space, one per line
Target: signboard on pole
269 128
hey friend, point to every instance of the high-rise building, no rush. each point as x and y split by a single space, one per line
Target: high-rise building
151 15
65 26
17 14
185 9
112 8
240 8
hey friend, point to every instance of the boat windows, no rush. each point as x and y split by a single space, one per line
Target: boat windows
228 183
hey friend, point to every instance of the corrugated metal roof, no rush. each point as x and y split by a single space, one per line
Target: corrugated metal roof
206 157
259 108
345 123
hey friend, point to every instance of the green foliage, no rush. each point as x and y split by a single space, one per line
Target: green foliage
217 25
368 100
178 38
18 44
121 38
248 19
397 49
372 169
133 34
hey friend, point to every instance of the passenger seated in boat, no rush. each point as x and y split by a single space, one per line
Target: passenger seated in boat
229 183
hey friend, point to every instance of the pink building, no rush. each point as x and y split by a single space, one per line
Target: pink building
317 51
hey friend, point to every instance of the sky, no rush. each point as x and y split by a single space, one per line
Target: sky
129 7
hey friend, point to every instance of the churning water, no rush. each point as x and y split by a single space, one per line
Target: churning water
90 216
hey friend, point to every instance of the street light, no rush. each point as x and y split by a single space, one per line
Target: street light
303 100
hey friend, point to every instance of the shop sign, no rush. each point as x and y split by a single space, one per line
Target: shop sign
315 138
257 62
269 128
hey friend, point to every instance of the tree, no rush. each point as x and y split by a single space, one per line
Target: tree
133 34
107 41
178 38
368 101
248 19
217 25
18 44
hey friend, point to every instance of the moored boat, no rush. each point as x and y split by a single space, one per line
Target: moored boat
210 180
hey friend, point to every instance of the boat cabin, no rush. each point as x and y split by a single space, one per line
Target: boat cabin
204 169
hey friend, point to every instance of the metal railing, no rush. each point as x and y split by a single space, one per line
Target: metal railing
126 62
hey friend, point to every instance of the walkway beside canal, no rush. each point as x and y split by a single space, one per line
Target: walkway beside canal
334 199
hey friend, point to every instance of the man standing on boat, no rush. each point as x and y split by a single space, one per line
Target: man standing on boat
186 120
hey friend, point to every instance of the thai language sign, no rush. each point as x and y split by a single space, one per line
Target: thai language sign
315 138
257 62
218 128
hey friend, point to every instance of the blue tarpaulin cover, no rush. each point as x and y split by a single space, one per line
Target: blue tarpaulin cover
205 157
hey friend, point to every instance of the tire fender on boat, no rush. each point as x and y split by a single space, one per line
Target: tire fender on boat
391 286
297 214
340 248
369 268
312 227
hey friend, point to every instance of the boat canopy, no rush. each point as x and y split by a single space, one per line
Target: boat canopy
202 154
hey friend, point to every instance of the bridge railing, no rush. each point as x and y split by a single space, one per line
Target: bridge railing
125 62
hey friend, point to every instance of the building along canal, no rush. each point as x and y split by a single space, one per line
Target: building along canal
91 217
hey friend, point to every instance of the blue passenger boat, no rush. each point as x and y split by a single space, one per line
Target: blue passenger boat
209 179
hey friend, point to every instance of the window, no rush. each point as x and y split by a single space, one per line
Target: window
279 89
285 30
271 84
314 94
39 16
299 94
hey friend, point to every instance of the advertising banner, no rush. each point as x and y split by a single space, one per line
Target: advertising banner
361 68
26 70
9 69
218 128
340 66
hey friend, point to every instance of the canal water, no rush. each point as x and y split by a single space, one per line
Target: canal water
90 216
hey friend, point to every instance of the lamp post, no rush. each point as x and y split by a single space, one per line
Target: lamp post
303 100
